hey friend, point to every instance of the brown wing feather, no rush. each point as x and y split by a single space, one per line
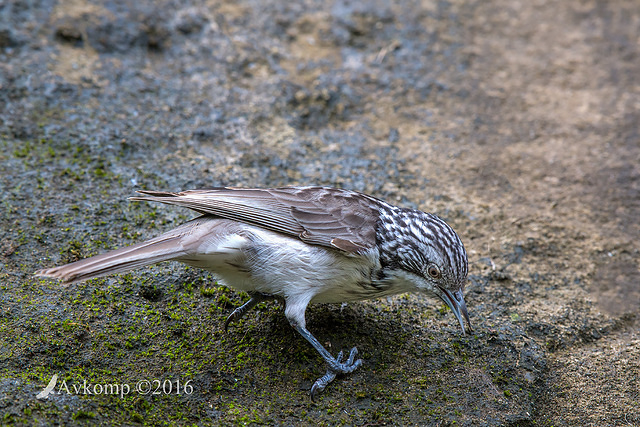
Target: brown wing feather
330 217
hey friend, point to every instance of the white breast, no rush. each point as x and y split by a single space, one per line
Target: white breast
252 259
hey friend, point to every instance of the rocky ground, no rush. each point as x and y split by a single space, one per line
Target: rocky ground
516 121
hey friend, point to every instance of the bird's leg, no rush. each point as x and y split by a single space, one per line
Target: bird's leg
256 298
336 365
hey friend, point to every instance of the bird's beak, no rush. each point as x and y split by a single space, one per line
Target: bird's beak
455 301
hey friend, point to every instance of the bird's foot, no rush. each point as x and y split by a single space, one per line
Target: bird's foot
256 298
233 317
336 366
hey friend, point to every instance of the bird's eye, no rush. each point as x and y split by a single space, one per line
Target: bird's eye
433 271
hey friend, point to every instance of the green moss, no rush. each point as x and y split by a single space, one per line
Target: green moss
82 415
24 151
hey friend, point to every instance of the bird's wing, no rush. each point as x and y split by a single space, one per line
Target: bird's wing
330 217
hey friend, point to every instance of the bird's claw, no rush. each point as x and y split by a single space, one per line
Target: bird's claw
335 368
234 316
239 312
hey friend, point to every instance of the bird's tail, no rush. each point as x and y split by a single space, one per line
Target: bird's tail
162 248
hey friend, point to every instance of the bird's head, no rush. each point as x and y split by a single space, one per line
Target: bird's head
421 252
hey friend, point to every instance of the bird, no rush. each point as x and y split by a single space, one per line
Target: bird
301 245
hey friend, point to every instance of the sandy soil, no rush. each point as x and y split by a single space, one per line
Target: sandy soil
517 121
